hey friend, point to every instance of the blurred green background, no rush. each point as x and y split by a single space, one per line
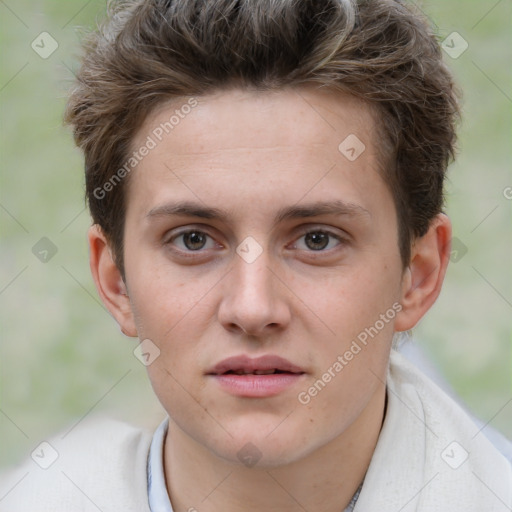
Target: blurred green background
62 356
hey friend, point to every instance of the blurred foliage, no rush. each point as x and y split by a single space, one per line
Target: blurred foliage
62 355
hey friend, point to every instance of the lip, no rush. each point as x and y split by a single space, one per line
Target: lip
250 384
250 365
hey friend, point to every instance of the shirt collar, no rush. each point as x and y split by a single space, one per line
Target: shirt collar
157 490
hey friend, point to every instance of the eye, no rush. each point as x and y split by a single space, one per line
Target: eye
192 240
318 240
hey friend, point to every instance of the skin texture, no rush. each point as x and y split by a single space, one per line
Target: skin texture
250 154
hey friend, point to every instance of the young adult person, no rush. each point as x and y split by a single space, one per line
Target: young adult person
266 186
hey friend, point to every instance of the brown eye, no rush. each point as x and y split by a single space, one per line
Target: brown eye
192 240
318 240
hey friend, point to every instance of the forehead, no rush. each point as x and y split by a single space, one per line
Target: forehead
263 114
249 142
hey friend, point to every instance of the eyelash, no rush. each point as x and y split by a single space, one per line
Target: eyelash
191 254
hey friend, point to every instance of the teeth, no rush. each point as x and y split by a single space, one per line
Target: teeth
255 372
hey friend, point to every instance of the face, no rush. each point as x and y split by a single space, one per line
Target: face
251 234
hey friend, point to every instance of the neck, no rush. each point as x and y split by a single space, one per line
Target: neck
327 479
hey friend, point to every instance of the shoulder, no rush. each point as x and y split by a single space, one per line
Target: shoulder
430 455
438 407
98 464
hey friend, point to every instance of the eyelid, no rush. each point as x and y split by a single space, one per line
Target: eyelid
175 232
337 233
341 239
168 238
302 231
306 228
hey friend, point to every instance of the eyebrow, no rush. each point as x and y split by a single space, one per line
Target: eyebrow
193 209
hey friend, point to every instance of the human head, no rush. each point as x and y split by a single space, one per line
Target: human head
244 151
151 52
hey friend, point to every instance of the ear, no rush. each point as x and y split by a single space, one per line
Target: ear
422 280
109 282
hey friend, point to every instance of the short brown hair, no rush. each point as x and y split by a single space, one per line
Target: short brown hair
151 51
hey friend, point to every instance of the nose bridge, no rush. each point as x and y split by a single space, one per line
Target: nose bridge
253 277
252 300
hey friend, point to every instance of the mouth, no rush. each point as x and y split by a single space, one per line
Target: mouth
261 377
255 372
263 365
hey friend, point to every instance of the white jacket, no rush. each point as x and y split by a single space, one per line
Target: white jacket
430 457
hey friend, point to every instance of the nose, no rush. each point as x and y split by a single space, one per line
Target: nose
254 300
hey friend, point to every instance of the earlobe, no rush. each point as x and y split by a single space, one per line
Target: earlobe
423 279
109 282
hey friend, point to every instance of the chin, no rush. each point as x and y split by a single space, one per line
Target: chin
255 448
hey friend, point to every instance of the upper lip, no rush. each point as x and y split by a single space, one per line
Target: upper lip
247 364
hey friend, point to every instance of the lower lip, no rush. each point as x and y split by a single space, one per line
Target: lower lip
257 386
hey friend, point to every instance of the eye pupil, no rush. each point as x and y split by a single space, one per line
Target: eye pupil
314 240
319 240
194 240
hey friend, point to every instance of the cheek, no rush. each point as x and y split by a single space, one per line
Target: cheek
162 298
360 311
168 317
354 299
